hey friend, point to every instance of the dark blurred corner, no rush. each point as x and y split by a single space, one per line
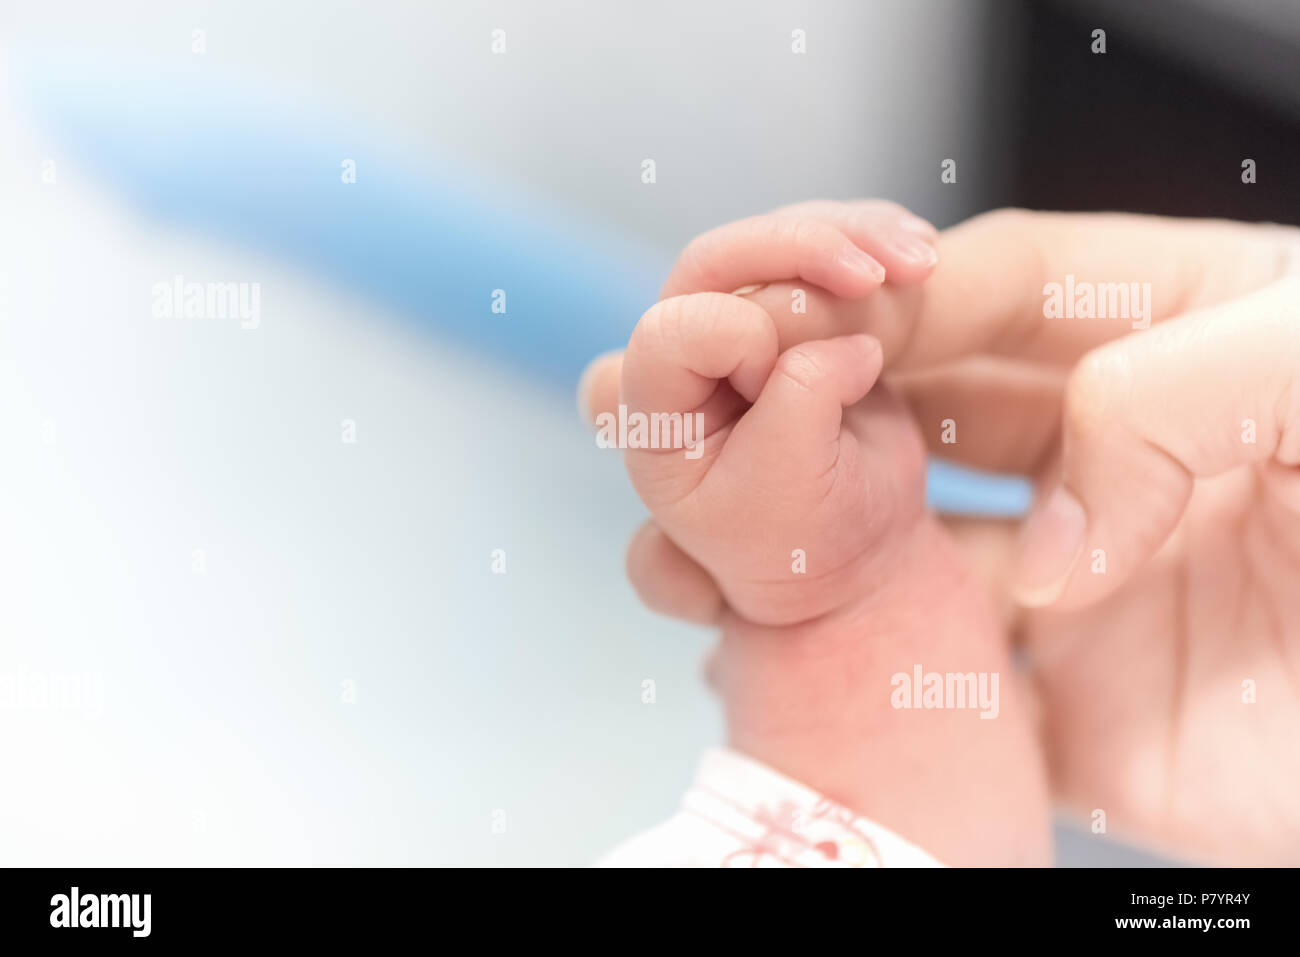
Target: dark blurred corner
1161 122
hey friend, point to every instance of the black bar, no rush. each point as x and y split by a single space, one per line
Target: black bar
334 907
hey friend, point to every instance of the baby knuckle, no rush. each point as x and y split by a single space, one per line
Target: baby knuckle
697 255
703 258
808 234
817 244
661 326
801 367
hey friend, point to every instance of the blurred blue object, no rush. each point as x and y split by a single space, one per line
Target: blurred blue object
963 491
436 243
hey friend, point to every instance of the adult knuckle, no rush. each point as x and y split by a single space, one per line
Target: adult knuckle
1099 385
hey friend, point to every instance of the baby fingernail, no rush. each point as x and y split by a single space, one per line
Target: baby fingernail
855 260
1050 544
914 251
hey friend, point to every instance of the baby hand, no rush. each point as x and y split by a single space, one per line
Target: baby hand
801 474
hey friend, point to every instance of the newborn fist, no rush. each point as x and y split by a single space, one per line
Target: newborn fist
787 476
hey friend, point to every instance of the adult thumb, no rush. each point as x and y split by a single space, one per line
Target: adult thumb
1144 417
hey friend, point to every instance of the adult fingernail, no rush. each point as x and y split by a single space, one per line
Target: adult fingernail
1050 544
913 250
854 259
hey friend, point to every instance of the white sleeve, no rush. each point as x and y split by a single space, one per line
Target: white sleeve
740 813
